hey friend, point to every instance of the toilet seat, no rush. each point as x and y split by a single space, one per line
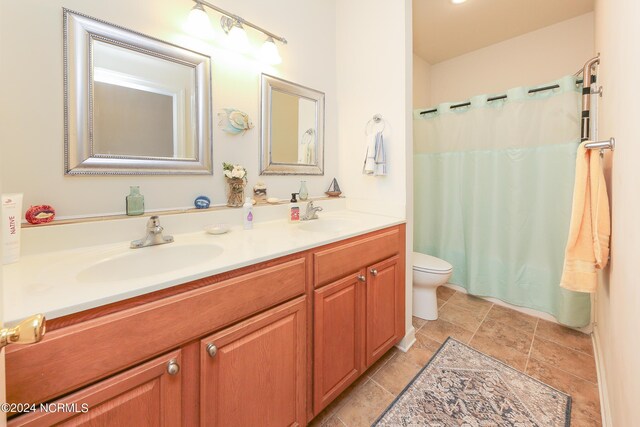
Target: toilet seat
430 264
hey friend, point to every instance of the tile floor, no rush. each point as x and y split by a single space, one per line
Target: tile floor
558 356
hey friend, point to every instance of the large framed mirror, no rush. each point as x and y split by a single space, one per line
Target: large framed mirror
292 129
133 104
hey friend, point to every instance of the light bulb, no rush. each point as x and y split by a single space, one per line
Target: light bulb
458 1
198 22
269 52
238 39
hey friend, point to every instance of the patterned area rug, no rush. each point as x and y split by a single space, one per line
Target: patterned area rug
462 387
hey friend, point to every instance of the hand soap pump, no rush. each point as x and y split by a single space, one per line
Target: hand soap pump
294 209
247 210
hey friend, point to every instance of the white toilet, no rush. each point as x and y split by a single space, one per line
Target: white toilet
429 272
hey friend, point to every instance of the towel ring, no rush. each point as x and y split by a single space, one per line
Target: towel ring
375 120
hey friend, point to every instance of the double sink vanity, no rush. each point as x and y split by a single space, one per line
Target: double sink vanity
252 327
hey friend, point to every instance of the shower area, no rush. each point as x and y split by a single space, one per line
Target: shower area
493 185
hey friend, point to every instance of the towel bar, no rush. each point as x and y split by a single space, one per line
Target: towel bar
609 144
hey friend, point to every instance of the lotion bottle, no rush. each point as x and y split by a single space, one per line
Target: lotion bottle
247 209
11 218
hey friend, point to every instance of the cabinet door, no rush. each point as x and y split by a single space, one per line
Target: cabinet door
147 395
338 338
384 308
254 373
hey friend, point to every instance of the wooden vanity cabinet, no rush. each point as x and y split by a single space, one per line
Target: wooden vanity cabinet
270 344
358 316
254 373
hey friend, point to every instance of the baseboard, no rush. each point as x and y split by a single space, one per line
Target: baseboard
605 409
408 340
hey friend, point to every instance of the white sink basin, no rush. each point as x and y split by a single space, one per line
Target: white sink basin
136 263
327 224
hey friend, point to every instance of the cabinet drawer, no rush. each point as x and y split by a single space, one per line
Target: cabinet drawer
343 259
69 358
147 395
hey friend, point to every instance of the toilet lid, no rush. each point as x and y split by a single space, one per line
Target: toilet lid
430 264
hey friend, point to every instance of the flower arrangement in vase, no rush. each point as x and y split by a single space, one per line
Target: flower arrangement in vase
236 177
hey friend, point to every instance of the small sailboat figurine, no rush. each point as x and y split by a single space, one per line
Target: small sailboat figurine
334 189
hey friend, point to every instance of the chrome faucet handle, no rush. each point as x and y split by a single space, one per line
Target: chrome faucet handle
153 224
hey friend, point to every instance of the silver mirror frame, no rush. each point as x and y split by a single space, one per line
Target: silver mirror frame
267 167
79 31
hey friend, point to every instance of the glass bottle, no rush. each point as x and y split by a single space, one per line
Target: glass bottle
135 201
303 193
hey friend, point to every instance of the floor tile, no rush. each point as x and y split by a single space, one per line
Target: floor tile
365 406
506 335
441 302
334 421
444 293
338 402
586 400
439 330
565 336
512 318
417 322
571 361
471 303
395 375
579 420
382 361
460 316
508 355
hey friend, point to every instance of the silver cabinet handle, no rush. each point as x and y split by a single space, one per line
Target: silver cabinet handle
172 367
212 349
362 278
373 272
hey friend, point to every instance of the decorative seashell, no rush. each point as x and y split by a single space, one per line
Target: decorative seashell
234 121
40 214
202 202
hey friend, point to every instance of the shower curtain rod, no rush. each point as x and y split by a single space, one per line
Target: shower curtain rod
495 98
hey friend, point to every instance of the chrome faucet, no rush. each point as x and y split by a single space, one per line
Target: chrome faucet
311 212
154 235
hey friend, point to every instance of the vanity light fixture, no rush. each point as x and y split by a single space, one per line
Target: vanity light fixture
233 26
458 1
237 36
198 22
269 52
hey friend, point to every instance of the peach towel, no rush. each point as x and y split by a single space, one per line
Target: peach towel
588 245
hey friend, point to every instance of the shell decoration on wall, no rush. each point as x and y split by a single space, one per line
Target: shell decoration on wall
234 121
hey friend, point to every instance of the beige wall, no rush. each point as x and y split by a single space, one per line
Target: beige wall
31 111
618 301
369 83
421 82
530 59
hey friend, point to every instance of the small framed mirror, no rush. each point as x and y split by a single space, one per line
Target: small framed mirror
292 129
133 104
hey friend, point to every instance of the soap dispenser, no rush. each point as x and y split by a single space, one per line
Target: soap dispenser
247 210
294 209
135 201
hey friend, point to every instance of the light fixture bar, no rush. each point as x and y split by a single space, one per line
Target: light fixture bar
241 20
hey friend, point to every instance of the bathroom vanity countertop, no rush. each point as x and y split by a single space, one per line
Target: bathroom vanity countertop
63 282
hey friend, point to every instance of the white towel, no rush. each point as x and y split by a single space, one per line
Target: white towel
380 157
369 166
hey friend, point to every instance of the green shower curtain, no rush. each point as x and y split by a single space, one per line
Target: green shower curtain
493 186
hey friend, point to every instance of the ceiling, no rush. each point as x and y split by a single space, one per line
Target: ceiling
442 30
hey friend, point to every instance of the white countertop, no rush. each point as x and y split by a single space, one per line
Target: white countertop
55 282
